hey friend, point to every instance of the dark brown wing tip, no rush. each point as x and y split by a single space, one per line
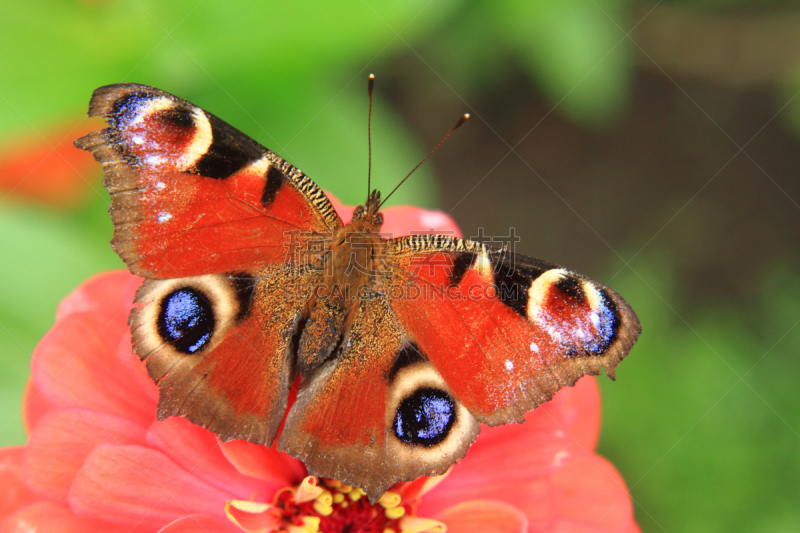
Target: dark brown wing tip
91 141
103 98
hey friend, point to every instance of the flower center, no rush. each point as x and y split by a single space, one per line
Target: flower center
320 505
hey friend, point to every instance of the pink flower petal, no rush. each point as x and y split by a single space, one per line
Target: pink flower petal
202 523
589 492
138 485
76 365
578 410
407 220
264 463
532 497
34 406
51 517
136 370
14 494
412 491
483 516
504 459
64 439
110 293
196 450
403 220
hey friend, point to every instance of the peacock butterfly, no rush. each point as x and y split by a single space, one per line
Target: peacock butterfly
402 347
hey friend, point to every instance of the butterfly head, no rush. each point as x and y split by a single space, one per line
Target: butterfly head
369 214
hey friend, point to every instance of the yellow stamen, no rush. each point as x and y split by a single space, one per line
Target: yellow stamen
389 530
345 504
311 523
394 513
389 499
325 498
334 483
322 509
345 488
338 497
356 494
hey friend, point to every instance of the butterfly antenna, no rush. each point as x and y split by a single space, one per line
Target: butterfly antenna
370 87
460 123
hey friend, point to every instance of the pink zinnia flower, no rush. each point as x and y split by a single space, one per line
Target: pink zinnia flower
97 459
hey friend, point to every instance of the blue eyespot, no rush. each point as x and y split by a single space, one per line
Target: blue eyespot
425 417
186 320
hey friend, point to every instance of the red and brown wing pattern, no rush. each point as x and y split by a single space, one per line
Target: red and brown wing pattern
190 194
203 211
457 334
221 347
395 383
357 418
505 331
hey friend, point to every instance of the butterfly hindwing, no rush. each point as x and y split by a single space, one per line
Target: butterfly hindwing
205 343
377 412
190 194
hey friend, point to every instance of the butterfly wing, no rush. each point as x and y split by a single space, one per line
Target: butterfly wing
505 331
356 418
190 194
221 347
210 217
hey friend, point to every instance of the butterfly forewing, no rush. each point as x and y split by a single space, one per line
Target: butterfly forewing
191 195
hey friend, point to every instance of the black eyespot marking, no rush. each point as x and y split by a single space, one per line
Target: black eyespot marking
177 116
425 418
408 356
274 182
572 288
230 151
186 320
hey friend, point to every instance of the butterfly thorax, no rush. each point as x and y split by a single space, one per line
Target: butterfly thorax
356 264
357 250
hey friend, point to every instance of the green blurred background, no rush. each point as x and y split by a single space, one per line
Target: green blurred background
652 146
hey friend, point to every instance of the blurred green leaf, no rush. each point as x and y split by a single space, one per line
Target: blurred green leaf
710 432
576 51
